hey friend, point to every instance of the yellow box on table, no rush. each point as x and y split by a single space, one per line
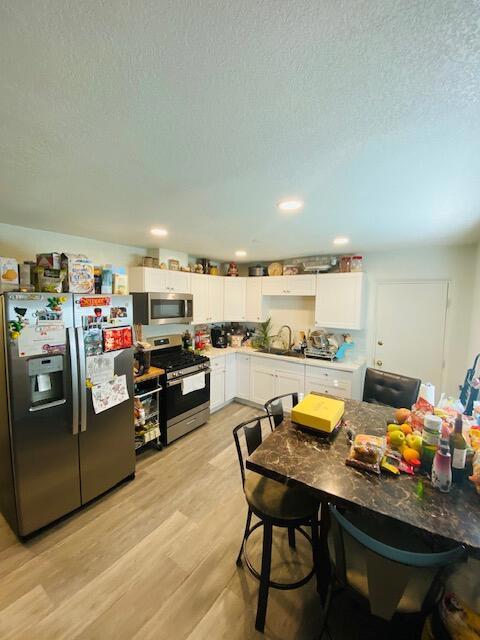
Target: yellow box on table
318 412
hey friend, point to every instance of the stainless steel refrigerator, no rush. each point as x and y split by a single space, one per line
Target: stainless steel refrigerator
66 403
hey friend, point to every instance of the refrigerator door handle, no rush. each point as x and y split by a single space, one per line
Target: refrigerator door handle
83 380
74 374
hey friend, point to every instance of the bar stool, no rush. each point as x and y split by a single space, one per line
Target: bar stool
276 505
386 565
275 408
390 389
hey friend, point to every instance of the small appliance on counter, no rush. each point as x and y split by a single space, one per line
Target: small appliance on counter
219 337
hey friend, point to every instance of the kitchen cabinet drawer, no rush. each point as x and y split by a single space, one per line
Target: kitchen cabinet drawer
289 285
340 388
339 301
323 373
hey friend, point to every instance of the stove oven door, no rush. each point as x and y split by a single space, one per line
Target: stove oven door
180 408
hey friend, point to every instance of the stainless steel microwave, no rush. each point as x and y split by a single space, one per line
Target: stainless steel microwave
162 308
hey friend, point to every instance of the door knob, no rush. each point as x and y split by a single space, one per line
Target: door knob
379 363
380 343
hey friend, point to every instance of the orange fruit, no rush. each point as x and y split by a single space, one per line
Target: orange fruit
406 428
402 415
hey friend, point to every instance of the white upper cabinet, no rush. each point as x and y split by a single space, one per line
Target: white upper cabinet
303 285
234 299
146 279
199 285
178 281
254 306
339 301
207 294
151 280
215 298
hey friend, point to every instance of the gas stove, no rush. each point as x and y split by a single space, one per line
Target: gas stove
181 363
185 396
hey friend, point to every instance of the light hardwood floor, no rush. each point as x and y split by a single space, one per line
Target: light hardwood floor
155 558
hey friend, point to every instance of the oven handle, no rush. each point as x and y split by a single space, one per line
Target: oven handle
172 383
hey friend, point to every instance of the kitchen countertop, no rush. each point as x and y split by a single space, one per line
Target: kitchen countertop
345 365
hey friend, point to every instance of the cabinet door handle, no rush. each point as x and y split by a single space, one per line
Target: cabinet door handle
380 343
379 363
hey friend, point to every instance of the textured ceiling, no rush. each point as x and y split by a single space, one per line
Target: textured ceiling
200 115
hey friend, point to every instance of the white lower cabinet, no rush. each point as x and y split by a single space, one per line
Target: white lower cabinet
270 378
262 383
230 376
217 383
243 376
259 379
328 381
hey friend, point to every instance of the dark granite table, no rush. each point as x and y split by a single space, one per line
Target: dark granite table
296 457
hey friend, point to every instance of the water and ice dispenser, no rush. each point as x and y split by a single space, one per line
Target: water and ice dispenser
46 380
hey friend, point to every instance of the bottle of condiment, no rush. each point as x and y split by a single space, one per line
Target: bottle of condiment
430 440
442 465
458 450
356 264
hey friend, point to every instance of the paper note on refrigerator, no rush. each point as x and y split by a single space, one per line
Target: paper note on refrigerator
101 368
41 339
109 394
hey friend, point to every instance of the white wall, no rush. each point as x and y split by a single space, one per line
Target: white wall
455 264
474 346
23 243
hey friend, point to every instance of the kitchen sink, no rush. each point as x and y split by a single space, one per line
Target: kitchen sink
282 352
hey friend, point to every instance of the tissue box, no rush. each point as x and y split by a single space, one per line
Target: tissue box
318 412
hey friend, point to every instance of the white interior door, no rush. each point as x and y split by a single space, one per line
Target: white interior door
410 329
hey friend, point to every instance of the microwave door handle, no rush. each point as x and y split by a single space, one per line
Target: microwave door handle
74 374
83 379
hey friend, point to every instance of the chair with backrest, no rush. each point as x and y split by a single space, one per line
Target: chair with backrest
386 564
276 410
390 389
276 505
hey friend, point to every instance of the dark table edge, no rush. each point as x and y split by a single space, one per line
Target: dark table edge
326 497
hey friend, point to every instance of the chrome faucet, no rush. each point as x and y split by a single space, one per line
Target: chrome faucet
290 342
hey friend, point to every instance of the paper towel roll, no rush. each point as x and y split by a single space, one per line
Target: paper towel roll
427 392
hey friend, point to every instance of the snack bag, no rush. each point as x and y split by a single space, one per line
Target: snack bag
419 410
366 453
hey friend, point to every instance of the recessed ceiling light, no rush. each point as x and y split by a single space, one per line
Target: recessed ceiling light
156 231
290 205
341 240
240 253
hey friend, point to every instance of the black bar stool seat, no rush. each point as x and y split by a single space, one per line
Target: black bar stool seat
276 501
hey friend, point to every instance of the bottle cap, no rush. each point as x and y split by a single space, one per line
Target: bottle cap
432 422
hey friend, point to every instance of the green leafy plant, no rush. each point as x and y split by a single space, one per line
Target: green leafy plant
263 335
